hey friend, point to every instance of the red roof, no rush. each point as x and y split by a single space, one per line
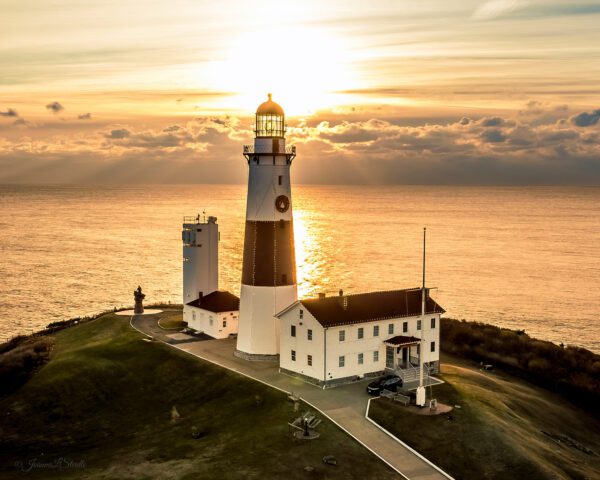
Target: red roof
217 302
369 307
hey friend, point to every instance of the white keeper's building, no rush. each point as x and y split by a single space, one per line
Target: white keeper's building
331 340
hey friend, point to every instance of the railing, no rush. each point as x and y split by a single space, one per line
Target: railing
287 150
199 219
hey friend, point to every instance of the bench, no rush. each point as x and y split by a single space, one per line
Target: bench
403 399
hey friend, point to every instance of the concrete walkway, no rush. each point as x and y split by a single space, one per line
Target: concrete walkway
344 405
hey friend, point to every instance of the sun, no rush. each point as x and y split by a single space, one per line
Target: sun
302 67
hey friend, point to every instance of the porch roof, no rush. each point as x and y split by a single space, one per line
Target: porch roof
400 340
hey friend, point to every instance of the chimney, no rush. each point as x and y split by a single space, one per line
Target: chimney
342 300
321 295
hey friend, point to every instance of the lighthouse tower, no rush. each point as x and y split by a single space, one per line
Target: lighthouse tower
269 265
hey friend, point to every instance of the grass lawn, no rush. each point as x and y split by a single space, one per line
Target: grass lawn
498 433
171 320
105 398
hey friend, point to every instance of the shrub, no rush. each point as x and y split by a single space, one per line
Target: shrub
571 371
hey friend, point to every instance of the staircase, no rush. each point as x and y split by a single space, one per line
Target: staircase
410 374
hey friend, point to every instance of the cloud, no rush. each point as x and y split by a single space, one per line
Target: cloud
497 8
501 149
21 122
11 112
492 136
55 107
119 133
84 116
585 119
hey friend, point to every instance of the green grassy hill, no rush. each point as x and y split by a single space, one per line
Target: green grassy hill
105 399
505 428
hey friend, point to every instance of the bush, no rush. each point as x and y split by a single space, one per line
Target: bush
572 371
20 359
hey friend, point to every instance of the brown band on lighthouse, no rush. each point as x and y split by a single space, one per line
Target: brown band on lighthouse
269 257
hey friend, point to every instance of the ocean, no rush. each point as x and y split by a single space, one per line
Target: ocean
520 257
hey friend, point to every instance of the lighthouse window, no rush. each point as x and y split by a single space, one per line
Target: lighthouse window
224 323
293 331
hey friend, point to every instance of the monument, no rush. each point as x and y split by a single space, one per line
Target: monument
139 298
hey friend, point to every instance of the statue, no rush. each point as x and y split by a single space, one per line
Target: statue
139 297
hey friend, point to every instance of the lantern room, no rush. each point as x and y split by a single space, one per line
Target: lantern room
270 120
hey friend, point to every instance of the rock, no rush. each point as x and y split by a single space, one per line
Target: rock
329 460
175 417
309 469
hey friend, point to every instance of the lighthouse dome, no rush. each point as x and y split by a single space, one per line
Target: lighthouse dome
269 107
270 120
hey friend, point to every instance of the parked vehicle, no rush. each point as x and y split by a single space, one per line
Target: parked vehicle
389 382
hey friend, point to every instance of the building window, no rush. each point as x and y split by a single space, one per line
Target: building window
293 331
405 327
280 179
433 322
376 330
293 355
376 356
433 346
309 334
309 360
342 361
361 359
361 332
342 335
418 324
391 328
301 314
224 323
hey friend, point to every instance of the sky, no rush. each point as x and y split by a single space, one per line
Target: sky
492 92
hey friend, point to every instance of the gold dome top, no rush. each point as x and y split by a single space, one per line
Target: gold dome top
269 107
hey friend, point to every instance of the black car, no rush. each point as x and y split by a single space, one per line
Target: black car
389 382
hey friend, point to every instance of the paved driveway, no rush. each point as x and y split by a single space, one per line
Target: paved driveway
345 405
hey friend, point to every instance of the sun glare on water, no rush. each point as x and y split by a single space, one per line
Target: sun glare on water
302 67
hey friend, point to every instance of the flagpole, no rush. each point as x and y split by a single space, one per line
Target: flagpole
421 388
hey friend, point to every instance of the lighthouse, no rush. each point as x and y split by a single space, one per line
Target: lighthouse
269 265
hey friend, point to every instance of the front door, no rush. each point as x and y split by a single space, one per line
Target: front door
404 357
389 357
